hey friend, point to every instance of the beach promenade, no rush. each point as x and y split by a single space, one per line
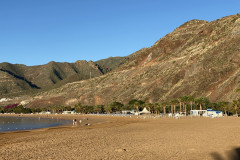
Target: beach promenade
110 137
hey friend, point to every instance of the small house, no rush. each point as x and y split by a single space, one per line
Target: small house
206 113
68 112
211 113
198 112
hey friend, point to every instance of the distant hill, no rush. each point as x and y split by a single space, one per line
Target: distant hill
17 78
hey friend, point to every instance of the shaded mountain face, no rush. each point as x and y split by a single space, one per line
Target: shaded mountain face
199 58
112 63
18 79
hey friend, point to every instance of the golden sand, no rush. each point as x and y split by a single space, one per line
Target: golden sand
110 137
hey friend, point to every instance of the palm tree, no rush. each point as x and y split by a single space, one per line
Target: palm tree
108 108
202 101
156 108
191 100
236 104
164 107
59 108
62 108
117 106
180 104
224 106
174 102
99 109
171 107
54 109
136 104
198 101
185 101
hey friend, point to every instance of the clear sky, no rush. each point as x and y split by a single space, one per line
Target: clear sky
34 32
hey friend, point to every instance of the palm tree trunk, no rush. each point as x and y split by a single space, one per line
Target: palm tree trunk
180 107
185 109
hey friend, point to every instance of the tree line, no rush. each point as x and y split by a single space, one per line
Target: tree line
180 105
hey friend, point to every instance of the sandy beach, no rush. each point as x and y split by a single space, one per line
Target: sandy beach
110 137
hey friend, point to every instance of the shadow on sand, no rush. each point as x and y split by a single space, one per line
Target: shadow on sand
230 155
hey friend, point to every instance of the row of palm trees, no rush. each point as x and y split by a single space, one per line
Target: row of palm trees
179 105
186 103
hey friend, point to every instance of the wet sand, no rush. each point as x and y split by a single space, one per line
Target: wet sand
127 138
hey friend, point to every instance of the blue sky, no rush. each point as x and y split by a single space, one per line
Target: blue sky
34 32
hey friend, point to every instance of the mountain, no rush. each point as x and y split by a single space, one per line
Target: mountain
199 58
18 79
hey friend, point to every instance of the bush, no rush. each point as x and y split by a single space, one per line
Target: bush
18 109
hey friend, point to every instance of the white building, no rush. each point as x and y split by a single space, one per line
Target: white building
68 112
206 113
43 112
211 113
198 112
5 99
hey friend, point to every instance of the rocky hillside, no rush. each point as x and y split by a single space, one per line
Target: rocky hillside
199 58
18 79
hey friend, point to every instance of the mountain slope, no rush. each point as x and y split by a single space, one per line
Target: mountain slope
20 79
198 58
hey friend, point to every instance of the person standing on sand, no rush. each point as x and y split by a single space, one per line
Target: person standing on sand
74 122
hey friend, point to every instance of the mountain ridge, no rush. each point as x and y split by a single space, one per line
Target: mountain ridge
52 74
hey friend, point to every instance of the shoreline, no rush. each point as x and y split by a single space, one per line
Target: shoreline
92 121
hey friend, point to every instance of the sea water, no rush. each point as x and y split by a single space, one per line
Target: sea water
27 123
